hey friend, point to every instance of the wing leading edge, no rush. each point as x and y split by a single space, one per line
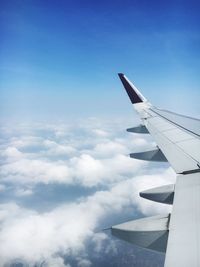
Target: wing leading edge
178 139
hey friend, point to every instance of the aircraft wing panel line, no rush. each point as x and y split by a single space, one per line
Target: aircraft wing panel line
190 147
178 124
178 137
179 160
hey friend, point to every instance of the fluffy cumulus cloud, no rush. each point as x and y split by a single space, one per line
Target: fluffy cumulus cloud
92 157
30 235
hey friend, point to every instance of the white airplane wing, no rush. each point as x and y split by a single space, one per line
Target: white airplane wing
178 139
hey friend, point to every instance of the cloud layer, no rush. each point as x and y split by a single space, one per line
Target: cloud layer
92 157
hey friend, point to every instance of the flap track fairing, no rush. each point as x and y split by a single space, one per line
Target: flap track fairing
162 194
138 129
152 155
150 233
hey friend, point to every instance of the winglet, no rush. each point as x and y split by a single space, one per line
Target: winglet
134 95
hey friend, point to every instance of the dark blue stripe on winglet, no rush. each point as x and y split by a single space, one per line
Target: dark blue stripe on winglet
134 97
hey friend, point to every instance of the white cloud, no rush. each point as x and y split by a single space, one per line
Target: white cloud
9 211
84 170
34 159
55 149
29 171
11 154
96 157
109 148
101 133
91 172
36 236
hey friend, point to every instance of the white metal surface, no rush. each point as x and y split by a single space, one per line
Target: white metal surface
163 194
183 249
150 233
178 137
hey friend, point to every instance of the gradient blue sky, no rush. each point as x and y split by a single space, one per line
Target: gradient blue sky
60 58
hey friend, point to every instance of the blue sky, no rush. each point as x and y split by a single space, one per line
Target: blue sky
60 59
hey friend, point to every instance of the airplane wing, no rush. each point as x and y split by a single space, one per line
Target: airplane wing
178 142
